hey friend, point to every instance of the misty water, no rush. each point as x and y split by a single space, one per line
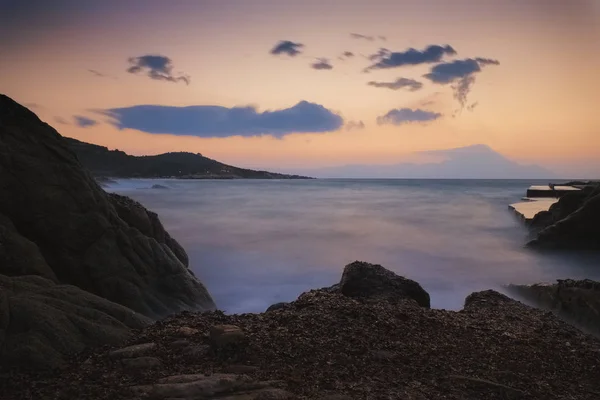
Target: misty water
257 242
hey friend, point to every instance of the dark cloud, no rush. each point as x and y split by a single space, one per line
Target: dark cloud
348 54
61 120
321 63
156 67
84 122
286 47
217 121
406 115
387 59
399 83
351 125
459 73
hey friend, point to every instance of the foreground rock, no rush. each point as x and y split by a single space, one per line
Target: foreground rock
578 302
326 345
364 280
57 223
41 321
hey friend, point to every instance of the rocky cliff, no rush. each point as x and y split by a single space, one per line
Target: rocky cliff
348 342
103 255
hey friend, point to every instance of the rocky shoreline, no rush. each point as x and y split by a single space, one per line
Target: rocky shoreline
331 345
97 302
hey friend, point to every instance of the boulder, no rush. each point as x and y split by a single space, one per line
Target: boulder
74 233
41 322
577 302
371 281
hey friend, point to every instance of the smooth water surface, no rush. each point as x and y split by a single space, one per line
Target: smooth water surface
257 242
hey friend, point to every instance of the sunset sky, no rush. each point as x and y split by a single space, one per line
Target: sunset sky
283 84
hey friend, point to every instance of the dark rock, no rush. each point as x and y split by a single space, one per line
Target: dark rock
134 351
328 344
565 206
98 242
226 335
42 322
139 363
56 222
157 186
579 229
200 386
364 280
577 302
278 306
186 331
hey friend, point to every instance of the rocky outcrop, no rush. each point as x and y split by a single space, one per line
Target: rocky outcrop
367 281
57 223
577 302
571 224
326 345
41 322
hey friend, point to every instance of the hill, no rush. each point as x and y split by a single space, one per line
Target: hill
470 162
115 163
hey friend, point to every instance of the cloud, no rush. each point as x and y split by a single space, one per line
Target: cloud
321 63
459 73
217 121
84 122
351 125
472 106
61 120
399 83
287 47
156 67
347 54
406 115
100 74
367 37
387 59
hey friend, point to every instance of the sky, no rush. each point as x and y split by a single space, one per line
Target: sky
285 84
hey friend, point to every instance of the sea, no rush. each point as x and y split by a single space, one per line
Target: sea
254 243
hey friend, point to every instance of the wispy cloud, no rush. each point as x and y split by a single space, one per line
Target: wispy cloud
354 125
84 122
400 83
156 67
61 120
367 37
459 73
217 121
321 63
287 47
406 115
385 58
100 74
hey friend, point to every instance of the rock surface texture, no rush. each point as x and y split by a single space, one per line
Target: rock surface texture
58 224
578 302
572 223
326 345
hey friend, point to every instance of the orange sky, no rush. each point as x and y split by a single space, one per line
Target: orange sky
538 106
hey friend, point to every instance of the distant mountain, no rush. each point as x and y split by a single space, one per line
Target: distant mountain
103 162
471 162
